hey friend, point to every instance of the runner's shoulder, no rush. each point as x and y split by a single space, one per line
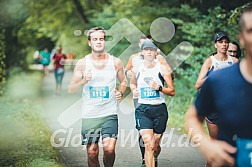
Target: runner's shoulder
235 60
208 62
117 61
81 62
161 59
164 70
82 59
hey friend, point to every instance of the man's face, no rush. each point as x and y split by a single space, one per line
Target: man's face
149 54
97 41
232 50
222 45
246 33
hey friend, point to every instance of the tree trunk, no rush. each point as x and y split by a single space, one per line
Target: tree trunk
80 10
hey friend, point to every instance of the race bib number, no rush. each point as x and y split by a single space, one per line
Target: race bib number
99 92
149 93
244 152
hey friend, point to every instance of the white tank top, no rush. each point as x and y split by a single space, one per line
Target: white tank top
98 94
148 95
137 61
216 64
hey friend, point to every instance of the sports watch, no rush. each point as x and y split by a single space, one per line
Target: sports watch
160 88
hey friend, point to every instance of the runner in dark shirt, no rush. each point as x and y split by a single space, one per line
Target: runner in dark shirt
231 97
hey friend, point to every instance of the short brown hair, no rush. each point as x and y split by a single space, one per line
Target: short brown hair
95 29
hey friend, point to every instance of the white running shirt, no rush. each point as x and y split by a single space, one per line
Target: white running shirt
98 94
216 64
148 95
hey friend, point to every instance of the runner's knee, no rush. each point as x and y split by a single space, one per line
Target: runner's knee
109 150
93 153
149 148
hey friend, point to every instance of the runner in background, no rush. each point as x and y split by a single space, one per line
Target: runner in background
234 50
70 58
58 61
45 60
218 60
228 92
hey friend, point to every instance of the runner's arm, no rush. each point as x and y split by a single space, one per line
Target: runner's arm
63 60
203 72
129 66
162 61
133 80
215 151
120 75
169 90
53 59
77 80
133 83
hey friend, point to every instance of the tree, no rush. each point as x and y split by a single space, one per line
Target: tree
2 63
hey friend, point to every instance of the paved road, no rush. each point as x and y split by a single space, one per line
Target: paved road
63 113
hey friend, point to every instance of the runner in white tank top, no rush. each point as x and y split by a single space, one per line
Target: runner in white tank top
98 94
217 60
147 94
96 74
134 62
217 64
151 116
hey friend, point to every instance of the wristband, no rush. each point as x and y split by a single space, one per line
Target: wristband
126 72
160 88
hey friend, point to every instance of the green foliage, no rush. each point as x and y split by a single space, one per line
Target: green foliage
46 24
191 24
234 18
199 31
24 136
2 63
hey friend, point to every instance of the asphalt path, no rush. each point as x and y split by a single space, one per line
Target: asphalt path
63 115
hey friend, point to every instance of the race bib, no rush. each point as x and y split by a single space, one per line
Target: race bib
149 93
244 152
99 92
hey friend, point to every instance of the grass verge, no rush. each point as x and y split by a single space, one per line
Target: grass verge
24 136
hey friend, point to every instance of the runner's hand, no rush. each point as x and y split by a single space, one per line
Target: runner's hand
154 85
87 77
135 93
129 74
218 153
118 95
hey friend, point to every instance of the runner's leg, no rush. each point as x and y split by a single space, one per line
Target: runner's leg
93 152
148 138
109 151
